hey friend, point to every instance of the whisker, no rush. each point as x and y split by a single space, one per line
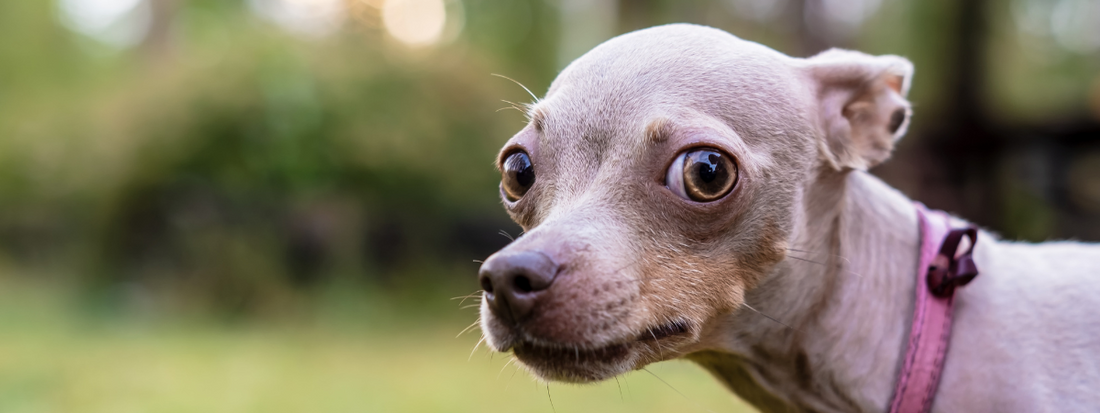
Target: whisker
506 386
479 261
507 235
677 391
658 342
822 253
520 85
824 265
807 260
552 408
620 386
470 306
468 327
770 317
515 105
475 294
470 295
506 364
661 278
475 348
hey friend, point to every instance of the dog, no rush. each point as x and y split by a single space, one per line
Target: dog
688 194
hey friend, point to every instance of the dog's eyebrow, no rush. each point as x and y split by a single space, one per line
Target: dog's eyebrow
658 130
538 117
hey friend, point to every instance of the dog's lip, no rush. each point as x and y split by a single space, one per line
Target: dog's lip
673 328
526 350
585 363
550 350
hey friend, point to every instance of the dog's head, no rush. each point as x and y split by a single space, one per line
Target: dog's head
659 180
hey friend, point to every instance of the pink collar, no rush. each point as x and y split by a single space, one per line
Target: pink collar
941 270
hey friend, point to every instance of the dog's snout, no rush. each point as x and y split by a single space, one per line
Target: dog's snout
512 281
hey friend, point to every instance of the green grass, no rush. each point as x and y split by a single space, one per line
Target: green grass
55 357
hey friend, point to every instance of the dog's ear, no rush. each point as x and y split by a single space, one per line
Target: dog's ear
861 105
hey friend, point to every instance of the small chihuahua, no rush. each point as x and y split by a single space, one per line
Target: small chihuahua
685 193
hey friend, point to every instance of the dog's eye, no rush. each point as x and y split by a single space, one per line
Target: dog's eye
701 175
519 175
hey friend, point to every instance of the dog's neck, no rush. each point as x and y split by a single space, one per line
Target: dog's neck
825 331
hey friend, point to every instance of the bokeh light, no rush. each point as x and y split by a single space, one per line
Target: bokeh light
306 17
415 22
1075 25
758 10
114 22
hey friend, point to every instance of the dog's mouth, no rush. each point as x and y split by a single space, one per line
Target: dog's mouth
674 328
585 364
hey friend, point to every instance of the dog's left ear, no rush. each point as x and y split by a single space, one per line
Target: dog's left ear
861 105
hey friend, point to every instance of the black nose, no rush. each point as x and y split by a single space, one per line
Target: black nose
513 281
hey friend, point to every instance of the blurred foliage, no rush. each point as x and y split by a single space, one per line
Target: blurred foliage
243 162
236 164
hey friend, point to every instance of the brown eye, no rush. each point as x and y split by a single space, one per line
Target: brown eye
518 177
702 175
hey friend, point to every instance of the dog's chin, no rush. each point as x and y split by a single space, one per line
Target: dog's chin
585 364
554 362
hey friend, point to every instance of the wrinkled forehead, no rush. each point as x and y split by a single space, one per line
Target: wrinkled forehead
614 92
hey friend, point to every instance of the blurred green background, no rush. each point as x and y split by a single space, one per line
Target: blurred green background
267 205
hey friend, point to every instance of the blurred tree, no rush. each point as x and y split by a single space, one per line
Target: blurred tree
236 152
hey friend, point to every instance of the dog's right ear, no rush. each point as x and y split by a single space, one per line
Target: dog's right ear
861 105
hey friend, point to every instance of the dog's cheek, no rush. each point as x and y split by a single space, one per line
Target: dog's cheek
691 287
761 256
703 281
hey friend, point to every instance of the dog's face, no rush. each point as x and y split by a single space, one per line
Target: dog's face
658 181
